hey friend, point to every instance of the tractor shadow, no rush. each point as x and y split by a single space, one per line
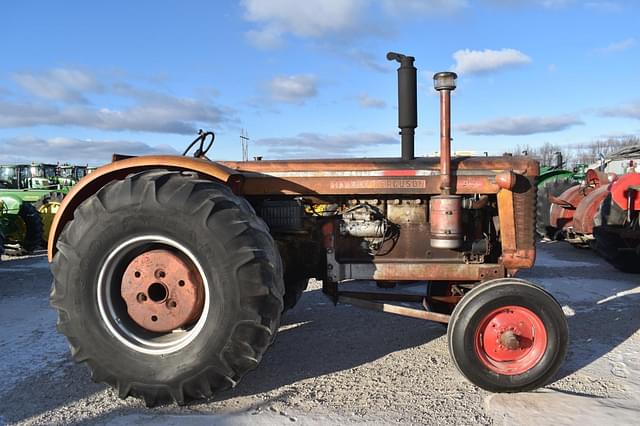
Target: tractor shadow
37 372
602 304
317 338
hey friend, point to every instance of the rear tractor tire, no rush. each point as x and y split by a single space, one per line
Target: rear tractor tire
168 286
508 335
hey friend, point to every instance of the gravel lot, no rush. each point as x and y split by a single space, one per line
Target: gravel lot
345 365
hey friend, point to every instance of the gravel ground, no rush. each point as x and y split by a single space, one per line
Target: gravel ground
345 365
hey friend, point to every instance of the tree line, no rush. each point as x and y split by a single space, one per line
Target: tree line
579 153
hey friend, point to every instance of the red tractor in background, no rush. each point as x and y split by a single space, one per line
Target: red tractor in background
171 273
602 213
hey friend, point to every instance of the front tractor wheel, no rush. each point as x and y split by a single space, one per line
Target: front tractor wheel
508 335
48 206
168 286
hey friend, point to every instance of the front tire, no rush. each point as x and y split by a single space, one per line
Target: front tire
186 240
34 230
48 206
508 335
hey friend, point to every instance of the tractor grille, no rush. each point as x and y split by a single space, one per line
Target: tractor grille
524 206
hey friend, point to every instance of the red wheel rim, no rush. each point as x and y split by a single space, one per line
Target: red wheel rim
510 340
162 290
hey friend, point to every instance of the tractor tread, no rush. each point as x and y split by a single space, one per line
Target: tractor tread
259 269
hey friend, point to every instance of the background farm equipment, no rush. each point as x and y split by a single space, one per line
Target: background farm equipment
602 213
616 228
4 226
574 212
553 180
68 175
42 187
21 225
184 266
620 162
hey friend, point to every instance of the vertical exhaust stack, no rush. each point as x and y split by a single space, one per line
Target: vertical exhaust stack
407 102
445 210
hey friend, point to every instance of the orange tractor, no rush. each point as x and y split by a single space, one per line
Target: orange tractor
171 273
602 212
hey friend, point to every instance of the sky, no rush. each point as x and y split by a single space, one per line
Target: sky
309 79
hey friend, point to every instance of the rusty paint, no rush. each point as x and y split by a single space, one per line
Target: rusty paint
394 184
91 183
507 221
563 206
493 165
506 179
587 209
445 141
264 184
252 178
518 259
619 190
431 271
445 221
163 292
596 178
524 210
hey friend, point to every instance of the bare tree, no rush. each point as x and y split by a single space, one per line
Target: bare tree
579 153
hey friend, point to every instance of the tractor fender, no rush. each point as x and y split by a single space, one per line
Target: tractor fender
118 170
620 190
10 203
552 174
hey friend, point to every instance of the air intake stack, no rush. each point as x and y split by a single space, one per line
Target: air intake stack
445 210
407 102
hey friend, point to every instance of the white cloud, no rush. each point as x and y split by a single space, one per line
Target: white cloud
180 116
618 46
60 84
63 102
293 88
267 38
630 110
412 8
553 4
548 4
315 145
521 125
366 59
367 101
604 6
483 61
310 18
27 149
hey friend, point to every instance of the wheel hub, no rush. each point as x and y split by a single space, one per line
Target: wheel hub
511 340
162 291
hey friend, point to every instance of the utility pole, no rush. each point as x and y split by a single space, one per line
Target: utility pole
244 141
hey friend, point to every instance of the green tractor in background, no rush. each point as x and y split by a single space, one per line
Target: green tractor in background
68 175
20 225
4 226
30 195
553 180
29 188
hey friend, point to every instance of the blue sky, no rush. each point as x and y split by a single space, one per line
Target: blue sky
80 80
